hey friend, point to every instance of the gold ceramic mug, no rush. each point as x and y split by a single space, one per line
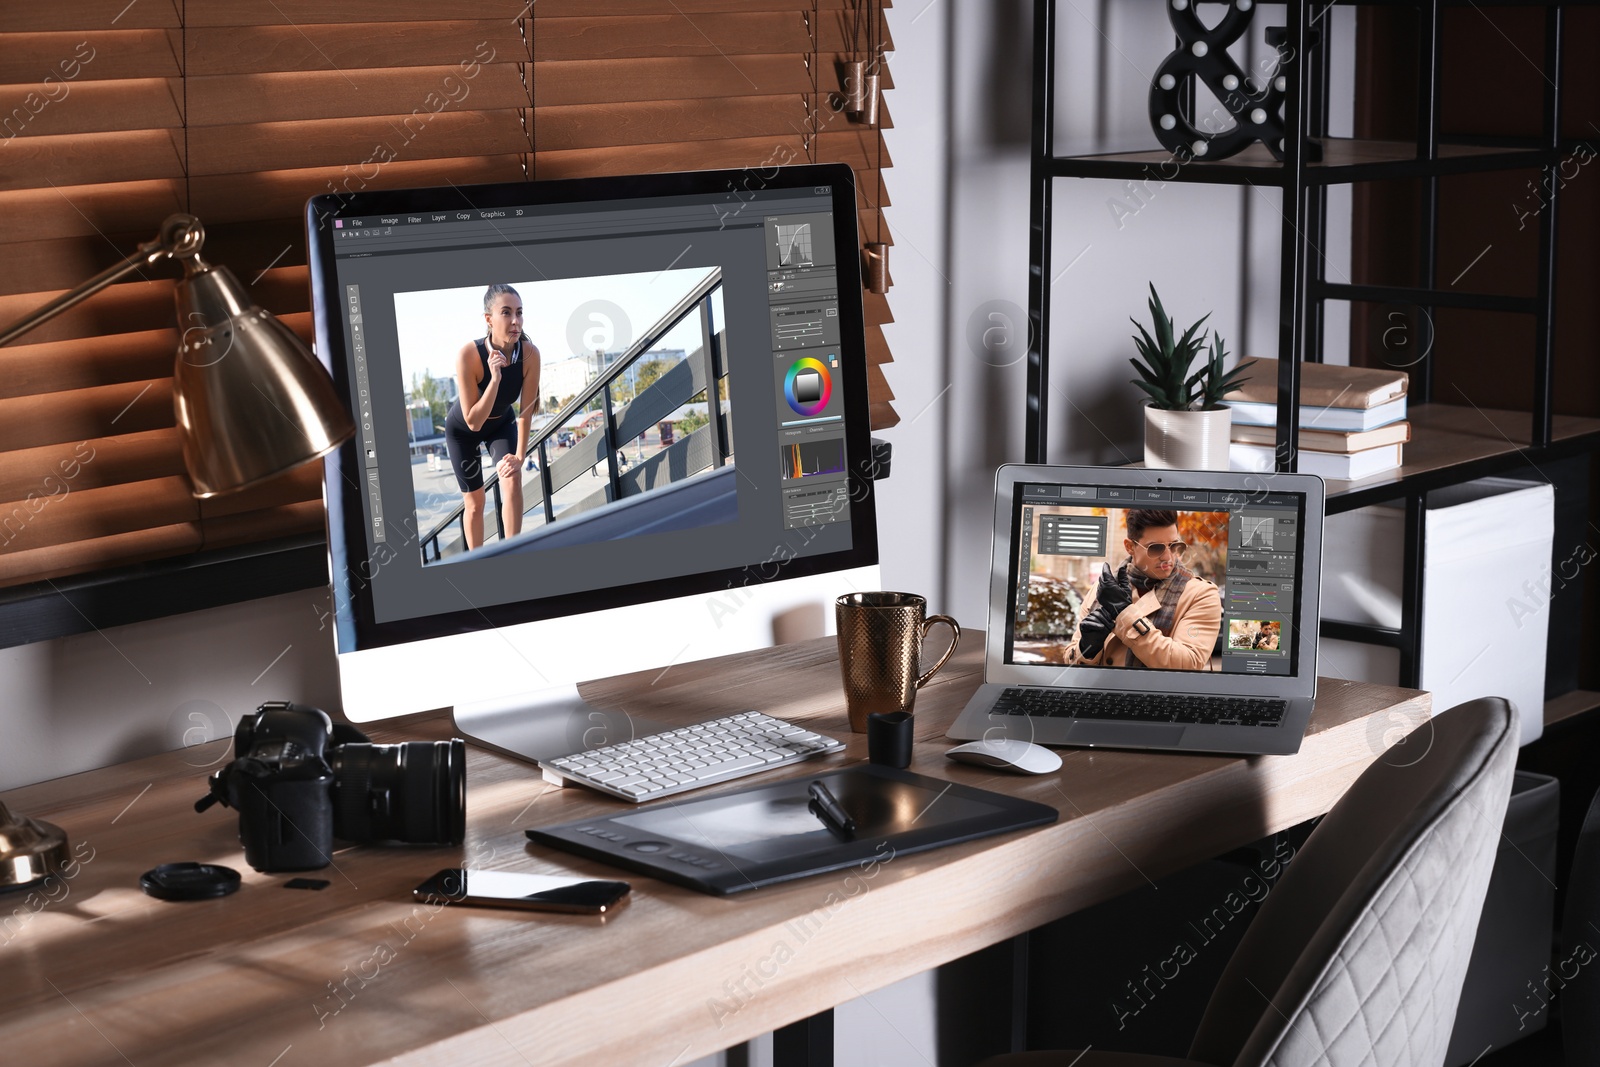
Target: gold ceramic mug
880 648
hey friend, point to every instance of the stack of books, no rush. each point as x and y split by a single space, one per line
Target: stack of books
1352 420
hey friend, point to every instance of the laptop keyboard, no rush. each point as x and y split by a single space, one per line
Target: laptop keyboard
1141 707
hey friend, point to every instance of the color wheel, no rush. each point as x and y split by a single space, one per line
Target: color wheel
808 386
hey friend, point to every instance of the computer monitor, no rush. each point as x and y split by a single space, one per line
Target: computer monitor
679 362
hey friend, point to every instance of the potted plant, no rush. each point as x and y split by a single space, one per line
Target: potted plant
1186 424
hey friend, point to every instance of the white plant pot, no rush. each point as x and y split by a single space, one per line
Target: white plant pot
1190 440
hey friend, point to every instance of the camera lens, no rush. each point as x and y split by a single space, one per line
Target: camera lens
414 792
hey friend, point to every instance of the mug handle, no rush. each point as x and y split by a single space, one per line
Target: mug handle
955 638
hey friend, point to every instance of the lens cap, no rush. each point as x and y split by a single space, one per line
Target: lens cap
189 881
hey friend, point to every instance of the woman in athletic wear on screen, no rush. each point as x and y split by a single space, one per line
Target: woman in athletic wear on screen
492 374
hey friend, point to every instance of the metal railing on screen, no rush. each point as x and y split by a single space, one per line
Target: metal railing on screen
703 371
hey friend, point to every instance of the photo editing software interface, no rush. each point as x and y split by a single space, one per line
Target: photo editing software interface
740 287
1225 567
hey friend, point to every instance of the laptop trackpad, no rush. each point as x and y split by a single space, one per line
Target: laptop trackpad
1124 734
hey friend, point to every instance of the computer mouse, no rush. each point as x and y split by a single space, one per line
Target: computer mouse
1024 757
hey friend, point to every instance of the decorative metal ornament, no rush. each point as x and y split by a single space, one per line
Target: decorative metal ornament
1255 104
30 849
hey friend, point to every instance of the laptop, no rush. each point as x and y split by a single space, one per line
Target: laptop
1151 609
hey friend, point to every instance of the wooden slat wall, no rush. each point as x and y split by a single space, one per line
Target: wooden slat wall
113 116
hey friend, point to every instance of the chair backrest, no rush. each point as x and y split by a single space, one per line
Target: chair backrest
1358 955
1575 976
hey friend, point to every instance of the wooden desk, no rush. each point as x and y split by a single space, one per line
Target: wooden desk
357 974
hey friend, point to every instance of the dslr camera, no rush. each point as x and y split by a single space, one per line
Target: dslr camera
298 780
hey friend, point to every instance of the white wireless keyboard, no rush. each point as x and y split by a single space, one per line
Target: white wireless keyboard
692 756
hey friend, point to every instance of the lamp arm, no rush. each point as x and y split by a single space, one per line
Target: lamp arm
180 236
217 403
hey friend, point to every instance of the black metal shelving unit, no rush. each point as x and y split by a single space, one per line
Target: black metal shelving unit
1445 448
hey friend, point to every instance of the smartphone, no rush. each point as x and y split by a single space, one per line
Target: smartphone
512 889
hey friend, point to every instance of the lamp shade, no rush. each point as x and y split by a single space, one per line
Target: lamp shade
251 401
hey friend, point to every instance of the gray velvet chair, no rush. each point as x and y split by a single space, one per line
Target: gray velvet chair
1574 976
1357 957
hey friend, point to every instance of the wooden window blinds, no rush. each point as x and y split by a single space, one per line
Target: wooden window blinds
114 114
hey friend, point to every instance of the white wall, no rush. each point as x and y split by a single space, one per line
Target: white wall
98 698
912 501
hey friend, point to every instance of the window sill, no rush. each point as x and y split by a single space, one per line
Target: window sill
61 607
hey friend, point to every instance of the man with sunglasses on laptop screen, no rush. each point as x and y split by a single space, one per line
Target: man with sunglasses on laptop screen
1152 612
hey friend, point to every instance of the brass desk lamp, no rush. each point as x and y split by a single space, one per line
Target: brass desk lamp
237 367
250 401
29 849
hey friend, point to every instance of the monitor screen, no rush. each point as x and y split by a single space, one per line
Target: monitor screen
579 396
1216 574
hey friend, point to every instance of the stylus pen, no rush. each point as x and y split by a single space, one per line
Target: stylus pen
827 807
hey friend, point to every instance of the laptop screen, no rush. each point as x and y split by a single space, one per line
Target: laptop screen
1155 579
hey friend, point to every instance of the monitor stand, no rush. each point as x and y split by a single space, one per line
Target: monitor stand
545 724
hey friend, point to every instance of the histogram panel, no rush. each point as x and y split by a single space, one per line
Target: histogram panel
807 459
794 245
